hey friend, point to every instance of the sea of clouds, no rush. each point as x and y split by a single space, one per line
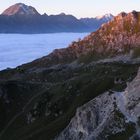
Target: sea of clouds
17 49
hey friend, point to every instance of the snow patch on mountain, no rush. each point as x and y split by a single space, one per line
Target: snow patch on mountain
105 17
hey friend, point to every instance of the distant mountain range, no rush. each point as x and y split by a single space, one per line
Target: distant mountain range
95 23
20 18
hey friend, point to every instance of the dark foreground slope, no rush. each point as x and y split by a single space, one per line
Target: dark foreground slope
38 105
38 100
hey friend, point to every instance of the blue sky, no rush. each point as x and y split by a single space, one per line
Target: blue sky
79 8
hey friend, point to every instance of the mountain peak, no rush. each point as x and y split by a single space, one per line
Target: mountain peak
109 16
20 9
106 16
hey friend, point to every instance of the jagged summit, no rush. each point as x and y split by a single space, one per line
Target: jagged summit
132 15
20 9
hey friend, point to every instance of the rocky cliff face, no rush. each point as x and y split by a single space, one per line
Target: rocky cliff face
111 116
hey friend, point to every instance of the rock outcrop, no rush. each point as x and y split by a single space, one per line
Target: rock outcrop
111 116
